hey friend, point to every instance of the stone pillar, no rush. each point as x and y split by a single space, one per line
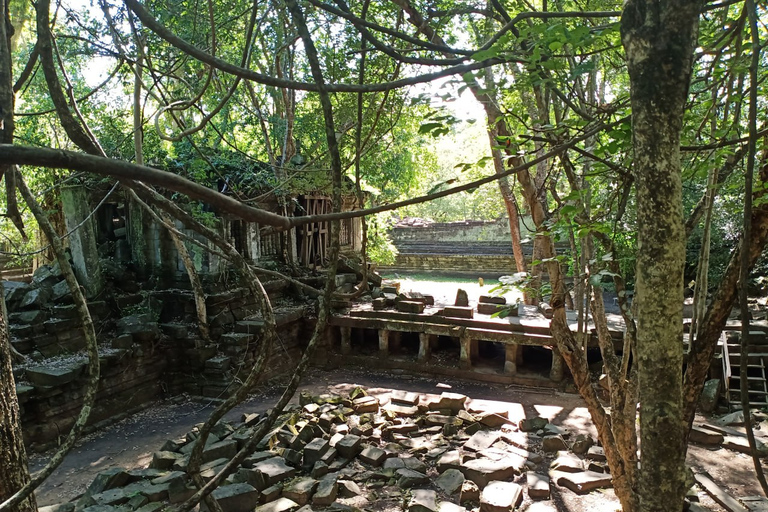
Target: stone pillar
466 351
383 343
556 373
512 355
425 349
82 239
394 341
346 340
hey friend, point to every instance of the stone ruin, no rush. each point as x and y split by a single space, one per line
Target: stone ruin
403 450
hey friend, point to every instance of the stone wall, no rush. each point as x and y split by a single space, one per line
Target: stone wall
148 343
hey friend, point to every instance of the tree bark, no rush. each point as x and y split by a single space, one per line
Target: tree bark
659 39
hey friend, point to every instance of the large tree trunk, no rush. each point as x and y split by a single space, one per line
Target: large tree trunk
659 39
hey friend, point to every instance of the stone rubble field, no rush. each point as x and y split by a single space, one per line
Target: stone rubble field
399 451
390 452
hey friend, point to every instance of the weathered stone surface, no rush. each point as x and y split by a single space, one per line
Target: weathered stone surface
483 471
462 298
554 443
448 401
482 440
108 479
581 444
327 490
348 446
274 470
373 456
410 306
414 464
532 424
582 483
740 444
469 492
164 460
365 404
447 506
52 377
314 451
440 420
300 490
250 477
459 312
450 481
708 398
349 489
538 486
596 453
702 436
423 500
239 497
405 397
279 505
500 497
409 478
568 463
406 411
449 460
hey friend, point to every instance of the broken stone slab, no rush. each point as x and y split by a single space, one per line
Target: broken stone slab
365 404
459 312
403 411
755 503
705 437
568 463
581 444
451 459
500 497
481 440
373 456
274 470
326 492
108 479
250 477
239 497
450 481
440 420
349 489
448 401
410 306
553 443
596 453
271 493
300 490
52 377
423 500
483 471
532 424
584 482
470 492
538 486
349 446
165 460
405 397
409 478
279 505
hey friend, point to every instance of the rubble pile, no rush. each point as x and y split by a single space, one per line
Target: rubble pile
399 451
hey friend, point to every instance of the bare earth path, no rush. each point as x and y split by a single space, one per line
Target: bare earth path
131 442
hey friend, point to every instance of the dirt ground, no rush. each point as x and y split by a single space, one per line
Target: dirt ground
131 442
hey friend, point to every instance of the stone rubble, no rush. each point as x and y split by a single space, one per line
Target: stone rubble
421 453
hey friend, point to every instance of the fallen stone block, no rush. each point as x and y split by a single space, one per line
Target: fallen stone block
500 497
483 471
300 490
459 312
327 490
373 456
532 424
470 492
705 437
365 404
538 486
451 459
554 443
481 440
567 462
239 497
348 446
410 306
314 451
279 505
423 500
582 483
450 481
409 478
274 470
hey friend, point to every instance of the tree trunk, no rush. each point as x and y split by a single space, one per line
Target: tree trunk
659 39
13 456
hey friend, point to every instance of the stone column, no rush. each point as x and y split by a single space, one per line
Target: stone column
82 239
394 341
383 343
512 355
425 349
556 373
346 340
466 351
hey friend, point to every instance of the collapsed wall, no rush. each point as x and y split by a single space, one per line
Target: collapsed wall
148 345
